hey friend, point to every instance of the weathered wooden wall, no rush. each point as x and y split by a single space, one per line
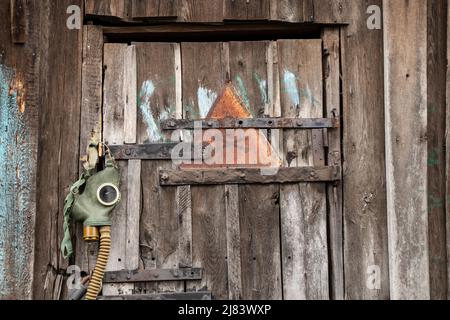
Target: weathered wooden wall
388 221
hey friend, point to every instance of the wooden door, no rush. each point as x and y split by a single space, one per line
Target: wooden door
253 241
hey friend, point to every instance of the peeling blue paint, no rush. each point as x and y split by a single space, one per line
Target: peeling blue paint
262 85
151 120
290 85
206 99
16 185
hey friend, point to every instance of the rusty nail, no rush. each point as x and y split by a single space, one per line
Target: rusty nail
242 175
171 124
300 123
128 152
165 177
209 123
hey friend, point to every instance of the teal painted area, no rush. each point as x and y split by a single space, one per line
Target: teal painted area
290 86
206 99
262 85
243 93
16 185
147 110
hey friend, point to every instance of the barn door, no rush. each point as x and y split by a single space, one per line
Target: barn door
248 237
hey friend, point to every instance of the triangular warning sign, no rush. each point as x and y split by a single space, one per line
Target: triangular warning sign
234 148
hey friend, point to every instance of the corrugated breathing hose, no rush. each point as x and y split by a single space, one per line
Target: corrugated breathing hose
99 271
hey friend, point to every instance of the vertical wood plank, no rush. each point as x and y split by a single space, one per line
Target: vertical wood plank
119 102
19 132
326 11
18 21
260 242
62 137
365 221
334 192
303 206
91 119
160 228
447 155
436 74
203 77
233 242
406 147
247 9
200 11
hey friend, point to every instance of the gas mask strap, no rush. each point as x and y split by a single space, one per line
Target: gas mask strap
66 244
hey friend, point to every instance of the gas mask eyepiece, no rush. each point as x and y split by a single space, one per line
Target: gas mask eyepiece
108 194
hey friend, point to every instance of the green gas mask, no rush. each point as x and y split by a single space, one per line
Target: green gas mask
92 198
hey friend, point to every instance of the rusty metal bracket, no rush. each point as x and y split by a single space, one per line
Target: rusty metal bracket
248 176
152 275
250 123
152 151
162 296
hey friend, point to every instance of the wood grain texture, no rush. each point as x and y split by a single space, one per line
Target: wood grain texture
160 230
406 147
90 122
365 221
248 68
303 206
233 242
436 74
447 155
153 9
246 9
20 100
111 8
119 88
260 242
203 77
156 89
61 88
200 11
331 62
332 11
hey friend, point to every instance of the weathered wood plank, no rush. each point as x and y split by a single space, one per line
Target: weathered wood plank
246 9
332 11
156 85
159 230
110 8
200 11
203 77
19 21
142 9
331 50
260 242
61 78
163 296
365 226
233 242
303 206
160 227
447 158
91 119
119 90
437 12
248 176
406 147
20 94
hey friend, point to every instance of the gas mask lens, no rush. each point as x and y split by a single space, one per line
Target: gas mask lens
108 194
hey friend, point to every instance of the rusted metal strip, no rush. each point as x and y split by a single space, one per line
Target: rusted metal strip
152 151
262 123
151 275
248 176
162 296
19 21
